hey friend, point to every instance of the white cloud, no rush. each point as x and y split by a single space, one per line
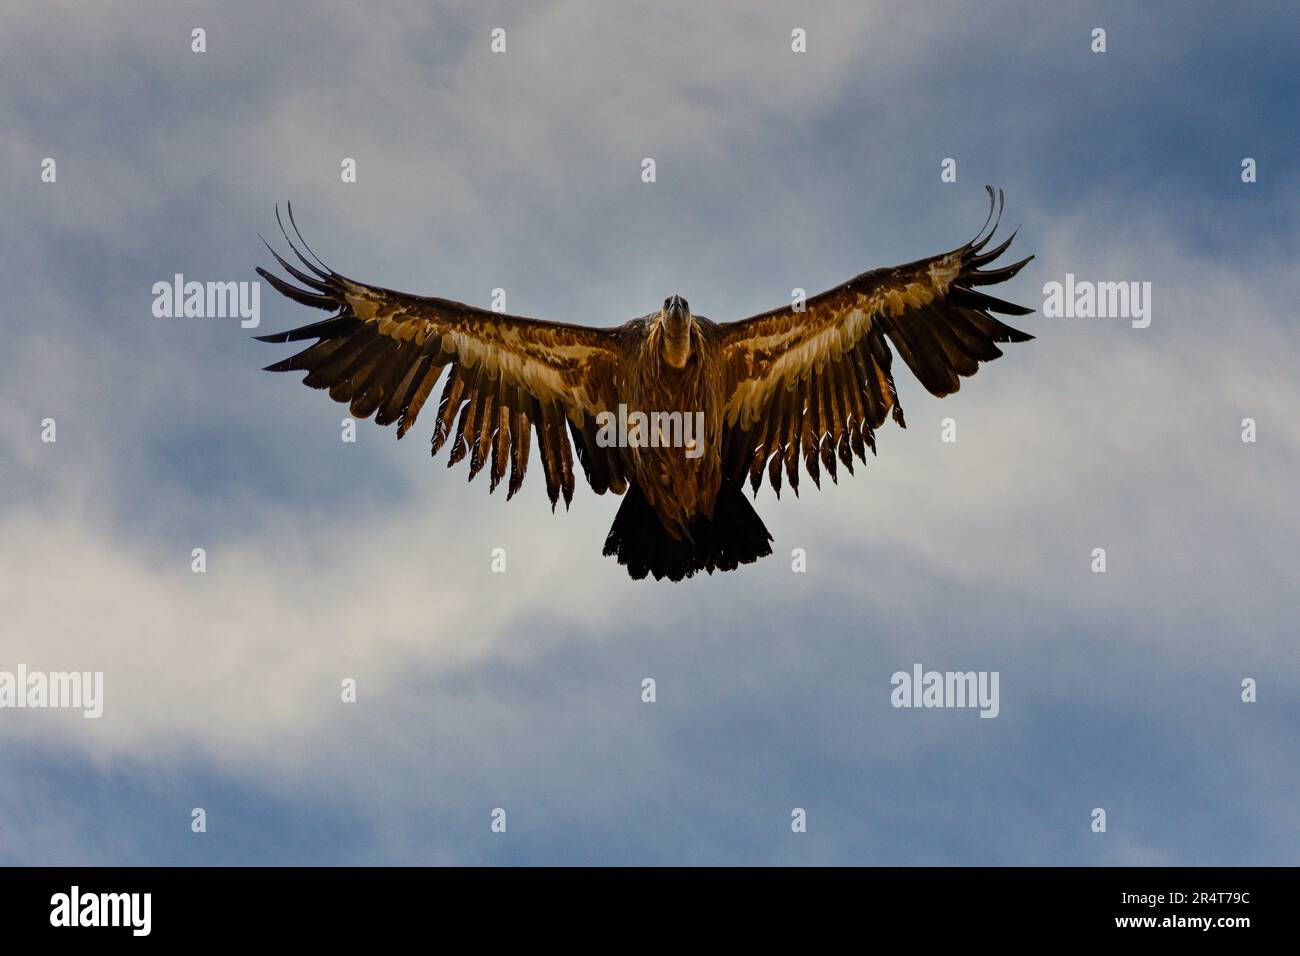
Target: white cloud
1094 434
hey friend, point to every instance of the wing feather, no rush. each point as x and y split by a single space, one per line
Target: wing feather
817 383
382 353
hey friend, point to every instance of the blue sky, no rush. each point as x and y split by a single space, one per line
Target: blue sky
522 691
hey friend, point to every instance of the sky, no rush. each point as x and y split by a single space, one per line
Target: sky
522 691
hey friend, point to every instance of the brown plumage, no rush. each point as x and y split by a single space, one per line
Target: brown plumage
772 391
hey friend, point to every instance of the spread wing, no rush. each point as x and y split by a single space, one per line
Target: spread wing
817 383
382 352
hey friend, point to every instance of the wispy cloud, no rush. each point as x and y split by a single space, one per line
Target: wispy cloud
329 561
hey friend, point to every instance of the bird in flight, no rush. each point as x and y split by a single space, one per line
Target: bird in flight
803 385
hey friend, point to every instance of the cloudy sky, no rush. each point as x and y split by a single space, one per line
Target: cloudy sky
522 691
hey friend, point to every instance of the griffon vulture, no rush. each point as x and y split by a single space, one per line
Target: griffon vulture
772 393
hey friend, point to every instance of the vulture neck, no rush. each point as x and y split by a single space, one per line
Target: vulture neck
677 339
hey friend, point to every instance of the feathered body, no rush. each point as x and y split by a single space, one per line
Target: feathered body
678 486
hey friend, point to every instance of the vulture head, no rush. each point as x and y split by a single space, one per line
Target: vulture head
675 321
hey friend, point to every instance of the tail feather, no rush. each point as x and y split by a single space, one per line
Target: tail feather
734 536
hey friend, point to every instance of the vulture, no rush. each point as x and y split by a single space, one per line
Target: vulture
804 386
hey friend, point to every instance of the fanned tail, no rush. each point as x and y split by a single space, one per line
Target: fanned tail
734 536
